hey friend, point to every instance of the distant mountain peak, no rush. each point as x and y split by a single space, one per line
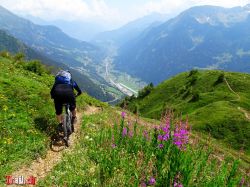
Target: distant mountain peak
200 37
215 15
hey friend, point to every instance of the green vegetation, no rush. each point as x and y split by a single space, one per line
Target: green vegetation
24 127
208 101
111 150
129 154
27 116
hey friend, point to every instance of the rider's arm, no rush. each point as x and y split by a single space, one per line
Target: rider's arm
52 91
79 91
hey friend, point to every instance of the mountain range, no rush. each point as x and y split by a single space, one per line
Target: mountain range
13 45
81 30
49 40
129 31
205 37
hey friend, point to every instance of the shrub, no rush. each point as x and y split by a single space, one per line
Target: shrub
220 79
195 97
192 80
145 91
36 67
5 54
18 57
192 72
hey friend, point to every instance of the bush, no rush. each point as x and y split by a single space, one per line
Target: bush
193 80
220 79
5 54
36 67
195 97
145 91
193 72
18 57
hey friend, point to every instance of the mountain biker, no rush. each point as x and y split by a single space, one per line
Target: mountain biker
63 92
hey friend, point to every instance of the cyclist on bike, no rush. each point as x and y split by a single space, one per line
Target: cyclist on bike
63 92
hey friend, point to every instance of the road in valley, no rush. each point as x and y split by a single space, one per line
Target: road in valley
123 88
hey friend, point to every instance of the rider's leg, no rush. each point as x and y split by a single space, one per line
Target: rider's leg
59 118
73 109
73 113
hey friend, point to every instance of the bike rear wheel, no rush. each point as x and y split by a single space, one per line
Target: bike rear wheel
67 128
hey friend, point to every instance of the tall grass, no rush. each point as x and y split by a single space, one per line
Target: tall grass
132 155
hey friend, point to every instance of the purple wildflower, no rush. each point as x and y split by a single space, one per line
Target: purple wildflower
156 127
181 135
165 129
160 137
113 146
146 135
177 184
160 146
152 181
131 134
166 137
123 114
124 131
143 184
242 182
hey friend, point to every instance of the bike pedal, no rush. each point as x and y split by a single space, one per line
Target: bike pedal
66 141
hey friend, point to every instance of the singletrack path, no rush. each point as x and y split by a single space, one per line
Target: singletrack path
40 167
246 113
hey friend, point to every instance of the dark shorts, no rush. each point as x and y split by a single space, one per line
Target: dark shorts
64 94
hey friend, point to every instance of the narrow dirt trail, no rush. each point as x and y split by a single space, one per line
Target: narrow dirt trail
228 85
40 167
246 113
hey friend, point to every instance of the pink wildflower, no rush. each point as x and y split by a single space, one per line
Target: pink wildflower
124 131
123 114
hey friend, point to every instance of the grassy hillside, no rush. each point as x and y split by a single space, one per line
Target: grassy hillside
27 116
24 126
206 98
115 150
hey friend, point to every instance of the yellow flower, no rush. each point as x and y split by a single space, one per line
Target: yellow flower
2 97
9 141
5 108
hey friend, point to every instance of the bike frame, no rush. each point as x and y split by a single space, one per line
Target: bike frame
67 126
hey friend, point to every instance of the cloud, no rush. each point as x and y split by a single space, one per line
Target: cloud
109 12
224 3
60 9
176 6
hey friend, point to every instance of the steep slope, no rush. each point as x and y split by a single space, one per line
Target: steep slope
14 45
48 39
27 115
202 37
206 98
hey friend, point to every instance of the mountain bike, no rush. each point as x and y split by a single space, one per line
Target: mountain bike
67 127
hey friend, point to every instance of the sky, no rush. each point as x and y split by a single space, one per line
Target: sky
113 12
